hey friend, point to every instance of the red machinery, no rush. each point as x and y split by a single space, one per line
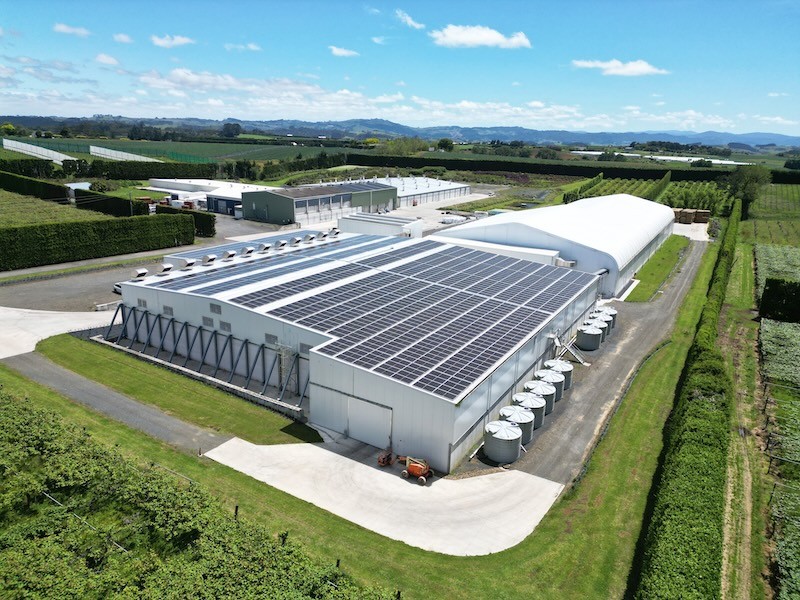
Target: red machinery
414 467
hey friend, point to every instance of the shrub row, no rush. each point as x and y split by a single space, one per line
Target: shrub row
205 223
113 169
30 167
110 205
658 187
321 161
51 243
683 544
582 192
779 300
27 186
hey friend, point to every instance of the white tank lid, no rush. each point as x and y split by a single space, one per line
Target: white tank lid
556 362
529 400
549 375
504 430
590 330
541 388
516 414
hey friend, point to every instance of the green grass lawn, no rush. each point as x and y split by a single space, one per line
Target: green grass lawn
656 270
583 548
175 394
17 210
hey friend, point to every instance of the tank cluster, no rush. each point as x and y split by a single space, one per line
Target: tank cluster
503 440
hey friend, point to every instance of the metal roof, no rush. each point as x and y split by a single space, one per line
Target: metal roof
320 191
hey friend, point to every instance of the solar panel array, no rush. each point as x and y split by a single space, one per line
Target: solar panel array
438 322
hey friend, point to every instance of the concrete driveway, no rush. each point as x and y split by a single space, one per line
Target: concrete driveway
21 328
462 517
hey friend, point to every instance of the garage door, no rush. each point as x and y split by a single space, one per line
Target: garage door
369 423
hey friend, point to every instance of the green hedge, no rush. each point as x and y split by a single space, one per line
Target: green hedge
110 205
658 187
779 301
583 191
683 541
51 243
205 223
113 169
27 186
30 167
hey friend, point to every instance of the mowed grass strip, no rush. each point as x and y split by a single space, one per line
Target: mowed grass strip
583 548
179 396
656 270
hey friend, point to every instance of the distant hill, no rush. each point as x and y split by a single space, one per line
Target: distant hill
364 128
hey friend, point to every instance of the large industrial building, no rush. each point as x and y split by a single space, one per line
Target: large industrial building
616 233
407 343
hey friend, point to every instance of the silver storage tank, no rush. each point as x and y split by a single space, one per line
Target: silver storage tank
561 366
589 338
611 312
533 403
601 325
523 418
554 378
545 390
601 316
501 441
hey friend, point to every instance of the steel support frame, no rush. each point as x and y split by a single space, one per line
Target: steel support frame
175 342
235 363
271 369
252 366
164 336
285 384
221 353
191 346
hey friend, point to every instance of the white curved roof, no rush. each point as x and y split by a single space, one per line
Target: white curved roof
619 225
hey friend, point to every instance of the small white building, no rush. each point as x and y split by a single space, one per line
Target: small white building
617 233
379 224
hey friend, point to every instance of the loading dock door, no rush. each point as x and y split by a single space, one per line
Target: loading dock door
369 423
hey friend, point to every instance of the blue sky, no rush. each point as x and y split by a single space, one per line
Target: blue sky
577 65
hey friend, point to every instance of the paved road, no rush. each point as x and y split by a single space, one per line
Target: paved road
115 405
561 447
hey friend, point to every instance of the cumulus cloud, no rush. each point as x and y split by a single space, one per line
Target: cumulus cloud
774 120
106 59
380 40
215 102
336 51
389 98
633 68
123 38
252 47
472 36
79 31
631 107
406 19
170 41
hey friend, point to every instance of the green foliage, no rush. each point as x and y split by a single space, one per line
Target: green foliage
705 195
701 164
402 146
110 205
780 262
658 267
445 144
547 154
683 544
321 161
611 156
585 191
658 187
793 163
77 520
16 210
50 243
746 182
205 223
28 186
779 300
30 167
780 347
127 169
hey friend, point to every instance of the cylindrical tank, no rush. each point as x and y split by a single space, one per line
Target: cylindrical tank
601 316
589 338
545 390
501 441
601 325
561 366
523 418
554 378
533 403
611 312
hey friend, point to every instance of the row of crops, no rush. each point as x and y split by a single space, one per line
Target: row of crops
16 210
706 195
775 261
634 187
779 201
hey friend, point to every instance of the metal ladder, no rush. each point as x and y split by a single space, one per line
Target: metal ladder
569 346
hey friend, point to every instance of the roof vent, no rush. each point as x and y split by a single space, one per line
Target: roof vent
280 244
188 263
228 254
165 268
209 259
309 237
247 251
334 232
139 273
322 236
264 248
295 241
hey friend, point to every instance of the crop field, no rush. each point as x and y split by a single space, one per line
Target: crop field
635 187
776 261
705 195
16 209
778 201
188 151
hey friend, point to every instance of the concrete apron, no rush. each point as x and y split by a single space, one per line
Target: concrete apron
460 517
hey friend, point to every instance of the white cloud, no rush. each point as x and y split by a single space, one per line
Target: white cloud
79 31
777 94
336 51
379 39
177 93
252 47
400 83
142 92
123 38
631 107
659 103
633 68
308 75
406 19
774 120
215 102
169 41
372 10
472 36
106 59
389 98
657 95
6 71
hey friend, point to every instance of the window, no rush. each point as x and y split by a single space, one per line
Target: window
141 303
270 338
208 322
224 326
168 311
216 309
